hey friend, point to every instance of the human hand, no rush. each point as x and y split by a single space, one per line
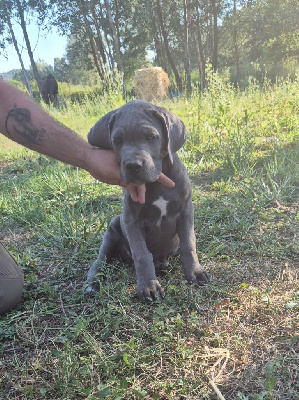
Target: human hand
104 166
137 192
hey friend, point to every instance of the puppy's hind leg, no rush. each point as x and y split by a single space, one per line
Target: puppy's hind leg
111 246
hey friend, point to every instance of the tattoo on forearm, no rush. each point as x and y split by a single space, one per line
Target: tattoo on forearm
18 123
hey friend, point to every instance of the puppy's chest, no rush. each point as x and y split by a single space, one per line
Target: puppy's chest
160 211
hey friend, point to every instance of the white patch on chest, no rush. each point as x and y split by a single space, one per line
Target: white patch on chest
162 205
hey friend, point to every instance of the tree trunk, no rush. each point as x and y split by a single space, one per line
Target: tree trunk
215 35
109 52
187 49
116 23
236 48
99 37
201 51
116 46
91 40
198 62
114 37
24 72
30 53
157 42
165 39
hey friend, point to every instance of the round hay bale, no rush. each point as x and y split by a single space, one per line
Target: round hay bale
151 84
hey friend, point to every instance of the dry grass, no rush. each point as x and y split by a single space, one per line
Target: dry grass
238 336
58 344
151 84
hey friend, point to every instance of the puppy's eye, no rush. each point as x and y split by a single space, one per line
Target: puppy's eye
116 140
151 136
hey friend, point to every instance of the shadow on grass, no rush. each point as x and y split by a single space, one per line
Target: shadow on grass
240 330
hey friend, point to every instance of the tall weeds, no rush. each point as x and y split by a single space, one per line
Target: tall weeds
242 155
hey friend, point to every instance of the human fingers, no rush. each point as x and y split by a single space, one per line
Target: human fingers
137 192
164 180
141 189
103 166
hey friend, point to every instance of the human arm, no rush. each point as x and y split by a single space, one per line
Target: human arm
24 122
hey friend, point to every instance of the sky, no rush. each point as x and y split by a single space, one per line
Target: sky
45 46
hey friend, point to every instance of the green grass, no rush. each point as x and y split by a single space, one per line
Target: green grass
240 331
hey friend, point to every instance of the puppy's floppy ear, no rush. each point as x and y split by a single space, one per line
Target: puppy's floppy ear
176 133
99 135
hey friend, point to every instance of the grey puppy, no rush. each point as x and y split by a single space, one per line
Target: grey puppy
145 139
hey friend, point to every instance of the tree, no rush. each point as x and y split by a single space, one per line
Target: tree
155 35
99 37
84 11
235 42
187 48
262 36
201 60
215 10
244 36
20 8
61 69
115 37
8 21
167 47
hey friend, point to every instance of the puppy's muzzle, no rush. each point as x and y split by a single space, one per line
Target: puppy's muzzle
139 167
133 171
134 167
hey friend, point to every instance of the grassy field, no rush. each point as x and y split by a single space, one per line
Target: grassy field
239 335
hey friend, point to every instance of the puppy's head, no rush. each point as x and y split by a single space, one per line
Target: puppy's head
141 134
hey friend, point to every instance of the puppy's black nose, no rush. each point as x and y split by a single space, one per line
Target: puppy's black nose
134 166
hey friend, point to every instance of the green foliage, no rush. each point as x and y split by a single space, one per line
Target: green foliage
267 40
242 157
254 38
269 383
18 84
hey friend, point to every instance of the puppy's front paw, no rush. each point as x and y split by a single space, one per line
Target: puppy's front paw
149 291
91 288
201 278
